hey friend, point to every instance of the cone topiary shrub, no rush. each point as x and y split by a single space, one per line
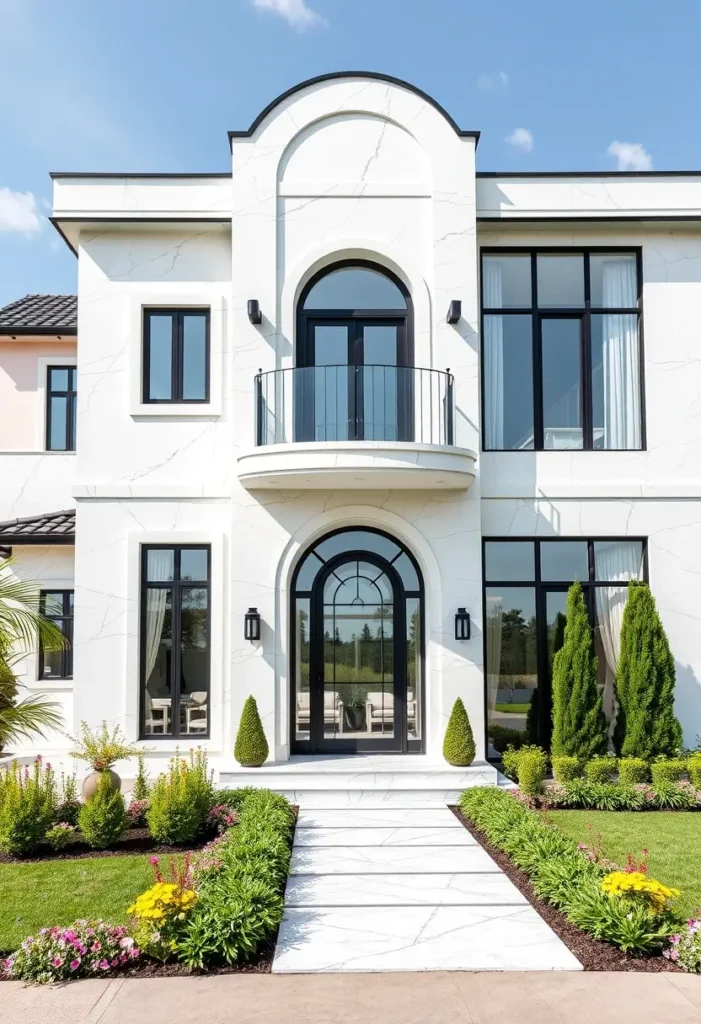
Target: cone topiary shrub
579 723
646 725
251 748
459 743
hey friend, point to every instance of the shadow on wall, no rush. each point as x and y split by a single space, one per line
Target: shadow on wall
688 703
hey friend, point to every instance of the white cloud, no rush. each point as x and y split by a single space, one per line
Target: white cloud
19 212
630 156
294 11
521 138
495 82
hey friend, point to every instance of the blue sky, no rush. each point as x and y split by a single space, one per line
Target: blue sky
153 85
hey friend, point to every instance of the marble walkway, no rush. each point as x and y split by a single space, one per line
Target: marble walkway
405 889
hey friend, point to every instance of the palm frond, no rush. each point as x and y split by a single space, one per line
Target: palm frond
32 716
21 620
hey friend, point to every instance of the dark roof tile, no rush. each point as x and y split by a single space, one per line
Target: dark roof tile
51 527
40 314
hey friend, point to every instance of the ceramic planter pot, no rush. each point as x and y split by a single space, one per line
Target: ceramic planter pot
91 782
355 718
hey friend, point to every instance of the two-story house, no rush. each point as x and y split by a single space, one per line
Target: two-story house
350 419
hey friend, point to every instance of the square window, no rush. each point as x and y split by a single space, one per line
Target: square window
160 564
193 564
560 281
509 561
506 282
564 561
176 356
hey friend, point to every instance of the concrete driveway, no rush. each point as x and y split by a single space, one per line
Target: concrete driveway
427 998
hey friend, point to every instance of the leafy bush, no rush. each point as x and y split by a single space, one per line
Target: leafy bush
141 788
512 755
685 947
502 737
531 767
240 893
599 796
251 749
566 767
664 771
635 888
693 767
221 817
600 769
60 836
103 747
69 806
83 949
103 819
27 807
645 678
136 813
632 771
180 800
161 912
674 796
579 723
562 875
459 743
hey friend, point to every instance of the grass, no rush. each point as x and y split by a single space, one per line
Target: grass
521 709
672 839
42 894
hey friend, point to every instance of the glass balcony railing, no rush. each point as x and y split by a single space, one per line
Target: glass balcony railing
355 403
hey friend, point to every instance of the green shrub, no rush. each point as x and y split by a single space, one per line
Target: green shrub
667 771
531 767
103 818
502 737
69 806
633 771
509 760
645 725
241 899
61 835
674 796
459 743
562 875
141 788
566 768
27 807
693 767
601 769
599 796
251 749
579 723
180 800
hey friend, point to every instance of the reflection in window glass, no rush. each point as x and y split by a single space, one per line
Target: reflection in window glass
564 560
509 560
193 564
160 364
57 606
357 540
512 679
194 356
58 423
562 383
194 661
355 288
302 668
413 662
508 382
158 700
615 356
506 282
560 281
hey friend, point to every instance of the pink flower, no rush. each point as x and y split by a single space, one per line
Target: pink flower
75 964
104 965
57 961
134 952
153 860
96 947
674 955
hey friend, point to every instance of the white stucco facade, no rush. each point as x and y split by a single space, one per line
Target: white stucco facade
348 168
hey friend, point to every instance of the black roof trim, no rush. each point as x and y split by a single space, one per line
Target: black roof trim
40 315
597 219
139 174
588 174
333 75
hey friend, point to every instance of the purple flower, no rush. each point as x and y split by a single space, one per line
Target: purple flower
104 965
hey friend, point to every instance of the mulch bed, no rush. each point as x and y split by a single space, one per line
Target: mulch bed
593 954
135 840
262 963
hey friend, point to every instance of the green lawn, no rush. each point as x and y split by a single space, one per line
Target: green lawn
672 839
39 895
520 709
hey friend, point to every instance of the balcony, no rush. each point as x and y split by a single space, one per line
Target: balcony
379 427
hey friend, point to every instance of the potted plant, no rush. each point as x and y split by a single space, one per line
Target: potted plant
354 700
101 749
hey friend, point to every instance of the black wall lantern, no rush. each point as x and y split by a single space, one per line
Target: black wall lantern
454 311
251 624
254 313
462 624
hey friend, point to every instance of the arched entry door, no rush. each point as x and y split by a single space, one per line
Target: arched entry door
357 647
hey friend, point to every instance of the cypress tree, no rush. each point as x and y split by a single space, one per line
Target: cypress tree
459 743
646 725
251 749
579 723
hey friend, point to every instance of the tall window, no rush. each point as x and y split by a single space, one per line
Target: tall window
60 408
175 644
525 590
561 350
57 605
176 355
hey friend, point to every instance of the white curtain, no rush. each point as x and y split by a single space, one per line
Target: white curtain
160 566
621 370
615 561
494 620
493 355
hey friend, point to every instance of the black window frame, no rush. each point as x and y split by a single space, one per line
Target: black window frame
585 314
66 621
177 315
177 585
70 394
540 589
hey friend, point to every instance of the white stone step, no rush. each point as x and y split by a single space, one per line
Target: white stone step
418 939
392 890
397 860
387 817
403 836
336 798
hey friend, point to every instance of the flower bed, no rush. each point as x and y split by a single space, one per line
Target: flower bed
637 921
